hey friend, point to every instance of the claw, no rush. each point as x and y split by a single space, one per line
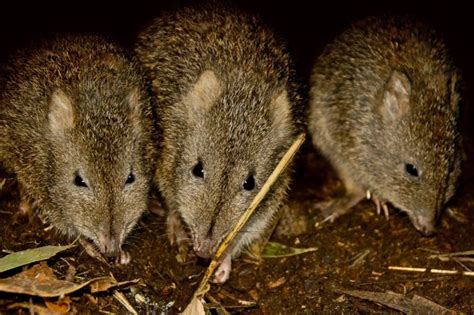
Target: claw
385 211
381 206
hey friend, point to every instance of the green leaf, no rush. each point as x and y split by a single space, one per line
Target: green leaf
29 256
276 250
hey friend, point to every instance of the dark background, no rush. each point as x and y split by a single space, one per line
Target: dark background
306 25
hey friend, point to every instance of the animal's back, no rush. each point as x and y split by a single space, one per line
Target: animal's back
180 46
77 132
348 80
378 91
29 80
243 53
226 100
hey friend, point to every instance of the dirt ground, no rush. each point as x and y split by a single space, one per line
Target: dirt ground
353 253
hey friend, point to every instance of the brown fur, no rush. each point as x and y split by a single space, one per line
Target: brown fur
78 106
384 95
224 95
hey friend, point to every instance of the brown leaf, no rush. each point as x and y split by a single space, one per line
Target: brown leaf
254 295
400 302
106 284
39 280
196 307
276 283
62 306
102 285
91 299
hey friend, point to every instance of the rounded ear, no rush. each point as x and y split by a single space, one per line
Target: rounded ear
281 108
454 96
396 97
281 111
61 112
204 93
134 102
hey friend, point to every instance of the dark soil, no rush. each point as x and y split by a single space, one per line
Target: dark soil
301 284
304 284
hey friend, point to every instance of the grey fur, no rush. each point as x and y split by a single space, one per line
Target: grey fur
78 106
384 94
233 122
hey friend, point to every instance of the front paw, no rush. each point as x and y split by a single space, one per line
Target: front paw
175 229
177 235
333 209
222 272
123 258
381 205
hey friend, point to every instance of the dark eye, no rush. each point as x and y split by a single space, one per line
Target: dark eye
411 170
130 179
79 182
198 171
249 183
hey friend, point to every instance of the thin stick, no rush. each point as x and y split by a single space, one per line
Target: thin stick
438 271
123 300
289 155
221 308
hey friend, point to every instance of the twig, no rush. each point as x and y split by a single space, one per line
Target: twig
439 278
218 305
438 271
460 256
359 258
289 155
123 300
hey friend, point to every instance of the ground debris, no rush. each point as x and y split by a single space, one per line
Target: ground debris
415 305
466 256
277 250
40 280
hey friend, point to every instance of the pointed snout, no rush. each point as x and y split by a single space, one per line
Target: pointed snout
423 223
109 245
204 247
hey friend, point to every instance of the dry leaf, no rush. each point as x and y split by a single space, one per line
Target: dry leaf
62 306
277 283
402 303
196 307
105 284
254 295
39 280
